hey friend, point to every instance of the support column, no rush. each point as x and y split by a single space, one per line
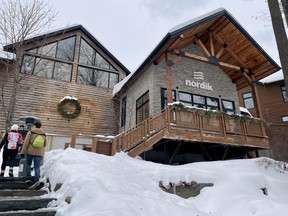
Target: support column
256 100
168 78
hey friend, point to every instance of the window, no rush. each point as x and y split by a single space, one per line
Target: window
164 97
123 111
142 108
248 100
228 106
65 49
284 93
89 56
94 77
199 101
47 66
285 118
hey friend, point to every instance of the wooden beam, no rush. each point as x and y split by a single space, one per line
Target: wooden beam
256 98
211 43
220 52
228 49
168 78
202 46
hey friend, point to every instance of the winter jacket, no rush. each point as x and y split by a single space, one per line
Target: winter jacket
9 137
28 148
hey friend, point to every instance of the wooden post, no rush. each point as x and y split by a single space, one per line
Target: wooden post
94 144
168 79
113 147
256 99
73 141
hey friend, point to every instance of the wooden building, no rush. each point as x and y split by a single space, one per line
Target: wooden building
274 109
202 63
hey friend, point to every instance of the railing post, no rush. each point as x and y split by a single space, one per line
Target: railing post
73 141
168 117
94 144
113 147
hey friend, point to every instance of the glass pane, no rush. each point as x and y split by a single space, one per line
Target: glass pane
212 102
84 76
101 62
139 115
65 49
44 68
87 53
62 71
101 78
247 95
48 50
285 118
228 104
185 97
146 97
249 103
284 93
113 80
27 64
139 102
198 99
32 50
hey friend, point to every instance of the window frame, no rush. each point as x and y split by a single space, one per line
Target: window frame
283 117
164 99
123 111
248 98
140 105
283 93
226 110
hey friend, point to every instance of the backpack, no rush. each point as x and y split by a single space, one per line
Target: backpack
39 141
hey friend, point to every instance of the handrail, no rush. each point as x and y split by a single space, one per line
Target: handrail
186 120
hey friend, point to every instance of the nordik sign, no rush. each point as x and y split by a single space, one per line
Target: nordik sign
197 81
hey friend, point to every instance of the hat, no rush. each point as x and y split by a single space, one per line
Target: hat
14 127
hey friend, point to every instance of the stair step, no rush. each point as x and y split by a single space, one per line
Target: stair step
12 179
14 185
8 192
29 213
15 204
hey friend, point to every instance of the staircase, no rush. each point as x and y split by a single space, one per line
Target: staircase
17 200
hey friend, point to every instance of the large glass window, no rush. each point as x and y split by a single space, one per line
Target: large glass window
65 49
89 56
46 65
142 108
284 93
164 97
123 111
248 100
185 98
94 77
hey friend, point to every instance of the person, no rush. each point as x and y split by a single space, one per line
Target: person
33 154
11 142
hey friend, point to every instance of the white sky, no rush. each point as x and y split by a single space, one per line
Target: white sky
124 186
130 29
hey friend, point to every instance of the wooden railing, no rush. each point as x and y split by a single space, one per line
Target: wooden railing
193 126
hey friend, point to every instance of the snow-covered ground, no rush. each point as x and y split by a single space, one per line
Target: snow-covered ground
100 185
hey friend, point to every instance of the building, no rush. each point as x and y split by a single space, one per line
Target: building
274 109
202 63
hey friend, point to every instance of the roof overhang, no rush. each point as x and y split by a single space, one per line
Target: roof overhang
223 41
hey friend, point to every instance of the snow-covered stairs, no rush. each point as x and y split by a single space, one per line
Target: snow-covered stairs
17 200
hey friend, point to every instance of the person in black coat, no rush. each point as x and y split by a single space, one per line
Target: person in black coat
11 142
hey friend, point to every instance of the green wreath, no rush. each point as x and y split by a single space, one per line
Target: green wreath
66 114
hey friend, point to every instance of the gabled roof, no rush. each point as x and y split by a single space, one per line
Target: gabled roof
10 47
238 54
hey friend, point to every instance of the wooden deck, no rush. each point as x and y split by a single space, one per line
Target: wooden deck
192 126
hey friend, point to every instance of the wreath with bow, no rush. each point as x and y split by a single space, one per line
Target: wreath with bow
68 114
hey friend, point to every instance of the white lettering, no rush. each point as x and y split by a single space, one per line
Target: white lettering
201 85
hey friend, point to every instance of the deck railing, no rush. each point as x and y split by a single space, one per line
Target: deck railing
220 128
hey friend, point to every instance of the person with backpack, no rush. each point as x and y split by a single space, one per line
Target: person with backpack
11 142
34 148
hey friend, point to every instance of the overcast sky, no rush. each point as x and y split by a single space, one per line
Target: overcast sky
131 29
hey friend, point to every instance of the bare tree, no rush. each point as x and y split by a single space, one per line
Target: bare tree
280 34
19 20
